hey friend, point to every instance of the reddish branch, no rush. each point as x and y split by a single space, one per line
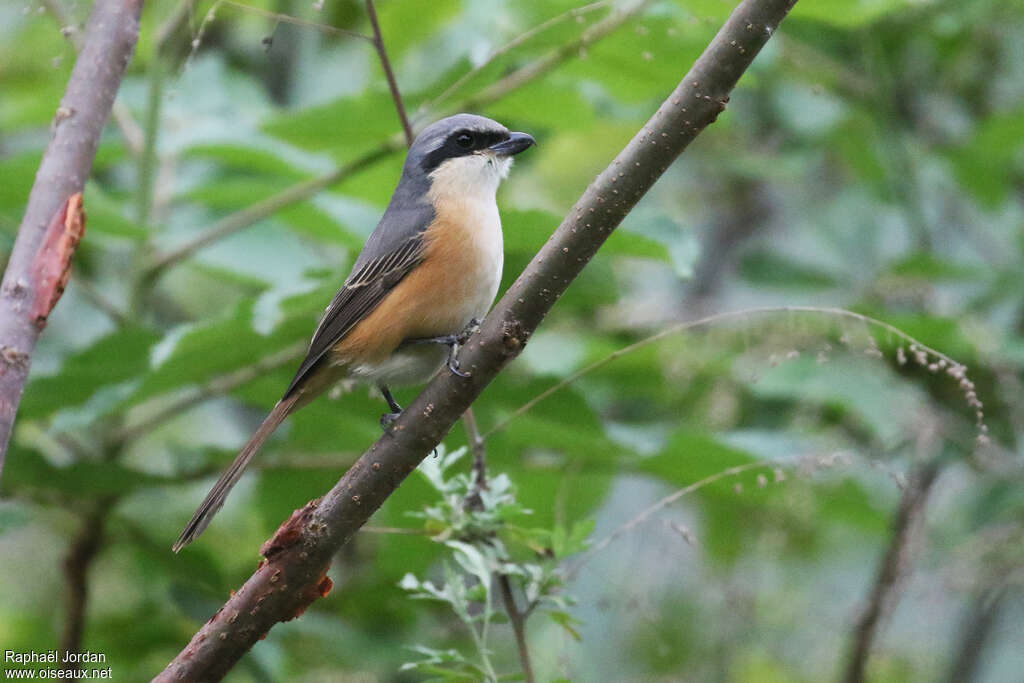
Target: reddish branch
298 557
53 220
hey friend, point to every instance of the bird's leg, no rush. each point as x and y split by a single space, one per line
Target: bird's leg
453 342
387 418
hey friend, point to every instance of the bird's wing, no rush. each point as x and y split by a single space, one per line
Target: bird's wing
365 288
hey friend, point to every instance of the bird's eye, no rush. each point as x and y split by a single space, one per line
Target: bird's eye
464 140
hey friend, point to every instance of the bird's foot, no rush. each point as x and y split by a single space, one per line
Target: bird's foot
454 342
387 419
471 328
453 361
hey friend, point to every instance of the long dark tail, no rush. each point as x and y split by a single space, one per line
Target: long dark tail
215 498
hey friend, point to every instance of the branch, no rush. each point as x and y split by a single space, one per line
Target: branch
76 569
110 39
976 627
296 21
543 65
294 574
479 448
890 570
302 191
240 220
518 621
508 47
131 130
396 95
217 386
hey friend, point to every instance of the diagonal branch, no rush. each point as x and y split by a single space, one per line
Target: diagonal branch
890 570
294 574
521 39
396 95
130 129
76 570
41 248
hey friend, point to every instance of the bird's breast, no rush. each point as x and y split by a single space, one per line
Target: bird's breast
456 281
464 255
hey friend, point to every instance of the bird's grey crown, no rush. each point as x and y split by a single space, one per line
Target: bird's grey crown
410 211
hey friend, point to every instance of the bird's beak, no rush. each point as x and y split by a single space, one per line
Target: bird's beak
515 144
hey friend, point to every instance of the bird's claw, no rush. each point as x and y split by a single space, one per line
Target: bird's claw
471 328
387 419
453 363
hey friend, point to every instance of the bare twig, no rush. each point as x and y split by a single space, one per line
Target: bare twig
890 570
478 447
288 19
545 64
217 386
518 621
302 191
396 95
660 504
110 39
294 574
240 220
522 38
982 615
76 570
516 618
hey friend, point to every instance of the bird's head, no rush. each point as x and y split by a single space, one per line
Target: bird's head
465 154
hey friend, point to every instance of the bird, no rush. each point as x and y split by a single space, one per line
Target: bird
426 276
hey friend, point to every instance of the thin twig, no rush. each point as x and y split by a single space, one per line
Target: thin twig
543 65
478 447
982 616
217 386
711 320
518 621
396 95
522 38
288 19
890 570
240 220
80 555
625 528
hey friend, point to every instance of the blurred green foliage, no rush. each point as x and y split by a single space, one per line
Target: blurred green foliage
870 159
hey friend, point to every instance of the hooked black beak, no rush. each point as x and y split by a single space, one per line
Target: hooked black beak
516 143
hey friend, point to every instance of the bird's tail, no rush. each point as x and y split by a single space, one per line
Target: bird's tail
215 498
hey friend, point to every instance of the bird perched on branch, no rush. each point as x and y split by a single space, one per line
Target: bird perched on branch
429 271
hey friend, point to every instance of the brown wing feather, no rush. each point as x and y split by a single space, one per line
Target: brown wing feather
362 292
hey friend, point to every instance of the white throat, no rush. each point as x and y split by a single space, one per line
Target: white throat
470 177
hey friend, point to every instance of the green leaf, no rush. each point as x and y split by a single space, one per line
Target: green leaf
116 358
774 270
29 470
